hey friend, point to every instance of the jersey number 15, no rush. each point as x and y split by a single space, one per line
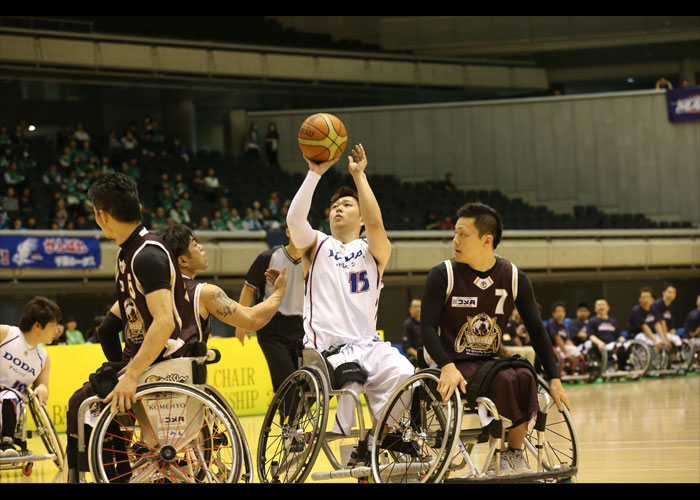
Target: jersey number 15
358 282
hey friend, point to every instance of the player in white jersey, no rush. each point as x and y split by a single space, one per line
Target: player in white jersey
343 282
24 362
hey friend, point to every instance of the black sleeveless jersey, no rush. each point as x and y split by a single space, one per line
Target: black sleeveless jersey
136 317
194 289
476 310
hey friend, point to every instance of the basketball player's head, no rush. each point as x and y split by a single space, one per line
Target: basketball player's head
40 316
601 308
344 214
189 253
559 311
646 297
115 200
669 293
477 231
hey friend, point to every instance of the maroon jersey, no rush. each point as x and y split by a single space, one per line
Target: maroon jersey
476 310
194 289
135 315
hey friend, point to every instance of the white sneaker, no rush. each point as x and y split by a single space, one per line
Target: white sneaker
505 465
9 452
516 460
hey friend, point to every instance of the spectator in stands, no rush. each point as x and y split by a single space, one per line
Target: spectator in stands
91 334
73 335
160 218
663 83
4 219
272 144
268 221
5 137
186 202
80 133
449 183
212 183
256 206
52 177
251 143
431 221
129 142
7 157
179 214
25 160
235 223
27 203
66 159
204 224
251 220
198 182
18 224
177 150
61 219
411 340
31 223
577 326
10 202
447 224
273 203
165 198
13 176
217 223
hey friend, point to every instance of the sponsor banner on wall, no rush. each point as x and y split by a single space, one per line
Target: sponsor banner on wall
683 104
49 252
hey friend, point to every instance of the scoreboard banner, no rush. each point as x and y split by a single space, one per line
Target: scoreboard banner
683 104
49 252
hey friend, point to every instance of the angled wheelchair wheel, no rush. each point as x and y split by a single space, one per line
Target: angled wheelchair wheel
639 356
47 431
416 433
293 428
557 445
659 359
174 433
683 357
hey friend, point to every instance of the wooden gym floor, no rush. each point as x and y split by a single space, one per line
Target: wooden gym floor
644 431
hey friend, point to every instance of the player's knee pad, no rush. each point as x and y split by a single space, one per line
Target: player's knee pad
349 372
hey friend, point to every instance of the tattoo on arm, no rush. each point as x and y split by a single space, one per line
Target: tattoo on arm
224 306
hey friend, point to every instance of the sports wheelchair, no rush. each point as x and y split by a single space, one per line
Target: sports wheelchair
179 430
674 360
44 427
294 428
429 440
630 360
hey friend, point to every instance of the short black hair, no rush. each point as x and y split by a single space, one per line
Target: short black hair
646 289
38 310
583 305
344 191
177 238
486 220
118 195
558 303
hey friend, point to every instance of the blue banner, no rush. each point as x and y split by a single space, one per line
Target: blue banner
49 252
683 104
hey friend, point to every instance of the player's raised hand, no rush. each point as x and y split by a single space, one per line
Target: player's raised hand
280 278
321 168
358 161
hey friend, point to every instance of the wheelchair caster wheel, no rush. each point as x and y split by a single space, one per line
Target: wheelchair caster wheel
27 469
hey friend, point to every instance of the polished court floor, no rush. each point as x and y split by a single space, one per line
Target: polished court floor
644 431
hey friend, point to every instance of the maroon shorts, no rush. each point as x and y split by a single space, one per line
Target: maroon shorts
512 390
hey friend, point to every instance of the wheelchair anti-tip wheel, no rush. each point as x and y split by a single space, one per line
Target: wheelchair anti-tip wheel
416 432
173 433
293 428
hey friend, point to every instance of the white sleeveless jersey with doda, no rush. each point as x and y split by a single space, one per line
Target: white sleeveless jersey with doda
341 294
20 363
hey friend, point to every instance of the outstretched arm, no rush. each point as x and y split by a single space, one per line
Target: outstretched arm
379 245
227 310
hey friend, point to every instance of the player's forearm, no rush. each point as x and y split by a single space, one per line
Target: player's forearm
371 213
154 342
301 232
261 314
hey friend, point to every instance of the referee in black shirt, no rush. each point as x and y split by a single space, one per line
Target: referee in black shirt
279 338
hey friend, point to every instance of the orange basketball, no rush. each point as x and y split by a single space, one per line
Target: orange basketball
322 137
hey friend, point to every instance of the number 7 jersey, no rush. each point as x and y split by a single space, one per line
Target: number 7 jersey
476 310
341 294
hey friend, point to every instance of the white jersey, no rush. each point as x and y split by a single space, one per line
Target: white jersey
341 294
20 363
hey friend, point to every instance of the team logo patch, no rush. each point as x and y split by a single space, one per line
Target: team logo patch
480 334
464 301
136 328
483 283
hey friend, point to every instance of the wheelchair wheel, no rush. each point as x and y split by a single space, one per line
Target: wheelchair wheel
594 364
174 433
659 359
244 452
47 431
683 357
558 442
640 356
293 428
418 432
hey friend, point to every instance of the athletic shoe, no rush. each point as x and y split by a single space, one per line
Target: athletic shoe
8 451
516 459
505 465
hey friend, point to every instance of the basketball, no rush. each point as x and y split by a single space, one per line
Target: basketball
322 137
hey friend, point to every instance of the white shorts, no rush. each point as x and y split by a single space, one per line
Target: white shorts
387 369
571 350
674 339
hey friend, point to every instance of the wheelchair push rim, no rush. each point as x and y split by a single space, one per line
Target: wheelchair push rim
173 434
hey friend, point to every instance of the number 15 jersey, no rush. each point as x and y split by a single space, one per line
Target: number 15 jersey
341 294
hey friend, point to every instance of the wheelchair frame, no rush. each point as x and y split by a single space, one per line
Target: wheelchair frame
288 450
425 443
202 443
44 427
